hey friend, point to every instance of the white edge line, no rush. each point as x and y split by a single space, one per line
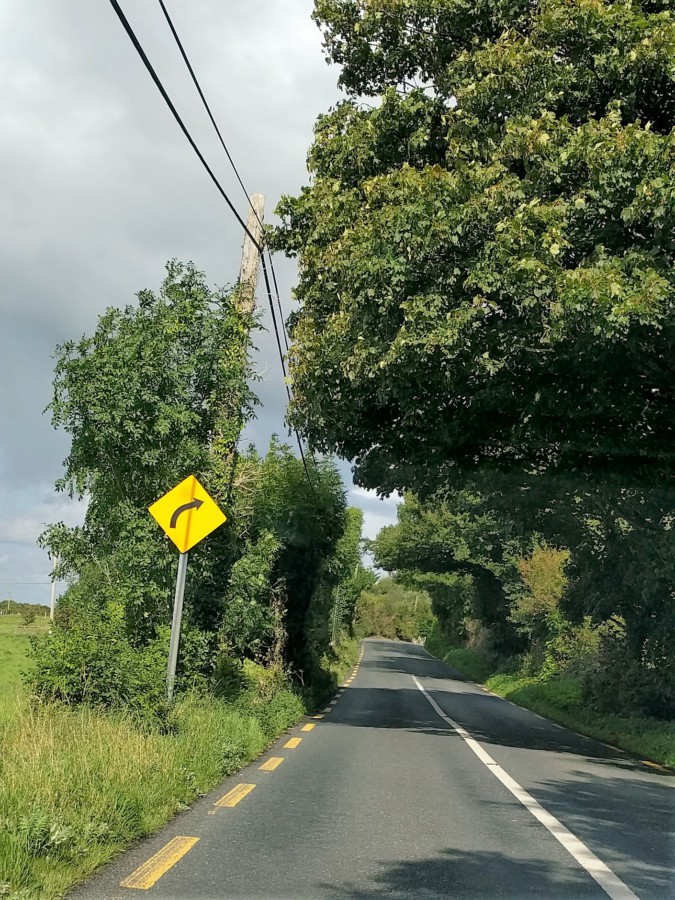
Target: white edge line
596 868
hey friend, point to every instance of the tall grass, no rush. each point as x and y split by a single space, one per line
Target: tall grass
76 786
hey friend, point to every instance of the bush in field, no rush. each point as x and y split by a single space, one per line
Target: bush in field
29 615
90 660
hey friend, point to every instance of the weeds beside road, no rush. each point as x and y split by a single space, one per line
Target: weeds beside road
76 786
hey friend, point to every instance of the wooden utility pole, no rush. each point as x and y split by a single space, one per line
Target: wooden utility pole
250 256
229 419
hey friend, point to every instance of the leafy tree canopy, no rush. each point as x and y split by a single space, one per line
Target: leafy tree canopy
453 535
157 392
486 254
615 546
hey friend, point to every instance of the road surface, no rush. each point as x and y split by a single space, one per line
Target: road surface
416 783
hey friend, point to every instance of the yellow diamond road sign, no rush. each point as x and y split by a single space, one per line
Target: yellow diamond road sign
187 514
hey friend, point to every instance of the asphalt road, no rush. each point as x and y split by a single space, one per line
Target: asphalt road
417 783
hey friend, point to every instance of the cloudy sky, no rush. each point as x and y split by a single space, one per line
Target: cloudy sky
100 189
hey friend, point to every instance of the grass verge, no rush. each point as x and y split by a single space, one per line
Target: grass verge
561 700
76 787
342 658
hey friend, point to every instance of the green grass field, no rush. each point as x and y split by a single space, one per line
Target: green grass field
14 643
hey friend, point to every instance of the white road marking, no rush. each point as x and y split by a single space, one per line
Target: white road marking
596 868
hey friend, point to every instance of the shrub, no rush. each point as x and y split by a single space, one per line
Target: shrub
91 661
535 607
619 680
228 678
29 615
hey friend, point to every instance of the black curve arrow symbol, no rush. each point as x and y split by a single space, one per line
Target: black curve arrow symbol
195 504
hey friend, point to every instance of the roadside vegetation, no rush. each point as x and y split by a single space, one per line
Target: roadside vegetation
94 755
81 784
509 629
487 273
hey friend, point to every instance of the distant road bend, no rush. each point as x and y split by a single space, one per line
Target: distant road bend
416 783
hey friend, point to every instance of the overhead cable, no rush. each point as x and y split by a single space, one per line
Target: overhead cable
259 247
160 87
205 103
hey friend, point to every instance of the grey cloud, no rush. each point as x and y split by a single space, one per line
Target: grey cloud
100 189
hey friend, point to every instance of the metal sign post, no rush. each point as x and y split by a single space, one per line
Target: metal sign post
187 515
175 625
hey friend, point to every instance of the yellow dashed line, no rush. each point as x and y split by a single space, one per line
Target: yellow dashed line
652 765
308 727
292 743
320 716
272 763
151 871
236 795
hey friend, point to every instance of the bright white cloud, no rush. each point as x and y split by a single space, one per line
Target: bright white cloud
377 512
26 529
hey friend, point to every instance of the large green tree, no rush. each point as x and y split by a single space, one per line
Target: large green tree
159 391
486 252
451 535
140 400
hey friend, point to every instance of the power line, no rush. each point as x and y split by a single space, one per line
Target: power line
246 193
160 87
276 289
205 103
283 368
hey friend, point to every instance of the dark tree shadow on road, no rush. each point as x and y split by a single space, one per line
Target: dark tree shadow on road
603 795
490 718
473 875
